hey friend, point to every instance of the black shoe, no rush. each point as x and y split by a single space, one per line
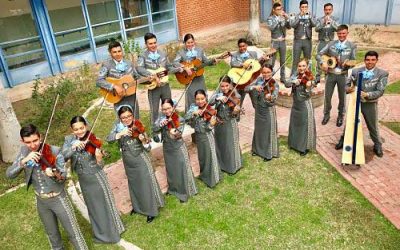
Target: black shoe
339 145
133 212
253 154
156 138
325 120
181 201
304 153
150 219
267 159
378 150
339 121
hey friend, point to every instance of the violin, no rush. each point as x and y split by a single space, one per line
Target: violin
209 113
269 88
92 143
138 129
233 100
47 162
304 78
173 125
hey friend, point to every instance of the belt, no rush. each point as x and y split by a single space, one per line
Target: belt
278 39
48 195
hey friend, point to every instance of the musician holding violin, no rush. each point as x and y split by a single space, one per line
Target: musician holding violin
144 191
118 68
227 104
180 177
44 168
202 117
84 150
265 137
155 62
302 130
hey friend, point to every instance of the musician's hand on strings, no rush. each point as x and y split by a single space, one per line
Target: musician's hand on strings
350 89
125 132
188 71
258 88
223 99
364 94
164 122
324 67
32 156
308 84
297 82
213 120
120 90
79 145
49 172
99 155
246 64
157 79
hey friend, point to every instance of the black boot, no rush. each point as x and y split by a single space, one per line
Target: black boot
150 219
339 121
325 120
339 145
378 150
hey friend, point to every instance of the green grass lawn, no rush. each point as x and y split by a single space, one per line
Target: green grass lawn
395 126
22 229
290 202
393 88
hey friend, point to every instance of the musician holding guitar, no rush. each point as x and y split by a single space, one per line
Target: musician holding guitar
246 67
341 56
122 92
154 62
186 56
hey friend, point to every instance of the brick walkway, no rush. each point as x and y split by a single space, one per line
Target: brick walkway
378 180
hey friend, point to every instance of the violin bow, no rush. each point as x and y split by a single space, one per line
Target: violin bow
208 101
49 124
97 117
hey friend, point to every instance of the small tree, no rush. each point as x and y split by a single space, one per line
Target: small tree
9 129
254 24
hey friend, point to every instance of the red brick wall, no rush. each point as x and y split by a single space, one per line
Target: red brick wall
202 14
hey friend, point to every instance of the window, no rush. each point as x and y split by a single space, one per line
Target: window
19 39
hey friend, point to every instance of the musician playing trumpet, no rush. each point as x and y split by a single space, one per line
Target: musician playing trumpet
302 24
278 23
326 27
344 52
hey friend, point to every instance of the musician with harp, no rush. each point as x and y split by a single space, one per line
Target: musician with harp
373 86
336 58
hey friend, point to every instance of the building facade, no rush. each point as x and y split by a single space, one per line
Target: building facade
47 37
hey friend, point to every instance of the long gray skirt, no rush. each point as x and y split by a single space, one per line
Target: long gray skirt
302 132
197 83
210 172
228 146
144 190
265 136
104 217
179 172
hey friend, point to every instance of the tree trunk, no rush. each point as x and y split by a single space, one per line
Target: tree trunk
9 129
254 29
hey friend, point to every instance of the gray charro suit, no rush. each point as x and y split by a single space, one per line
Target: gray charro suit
155 95
54 209
302 38
108 69
337 75
326 34
237 62
374 86
278 26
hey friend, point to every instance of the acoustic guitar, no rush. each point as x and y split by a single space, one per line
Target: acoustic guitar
196 67
244 76
161 73
127 82
332 62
